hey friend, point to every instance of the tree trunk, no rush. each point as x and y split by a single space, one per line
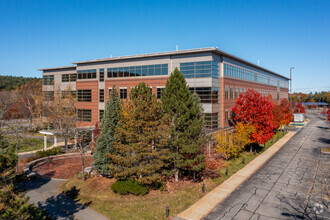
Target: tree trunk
176 175
17 157
82 164
66 143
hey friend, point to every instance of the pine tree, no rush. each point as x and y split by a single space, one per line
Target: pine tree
108 135
186 122
141 153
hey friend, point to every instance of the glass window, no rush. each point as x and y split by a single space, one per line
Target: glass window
126 71
120 72
101 75
231 93
84 95
211 121
115 72
206 94
199 69
84 115
48 80
226 93
159 93
101 113
123 93
101 95
138 71
87 74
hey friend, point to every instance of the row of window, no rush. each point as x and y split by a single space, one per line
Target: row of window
199 69
233 93
86 95
87 74
246 74
147 70
69 77
211 121
48 80
206 94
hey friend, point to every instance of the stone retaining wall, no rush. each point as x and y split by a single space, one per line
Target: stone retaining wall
28 168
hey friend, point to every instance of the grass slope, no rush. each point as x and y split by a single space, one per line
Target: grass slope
26 143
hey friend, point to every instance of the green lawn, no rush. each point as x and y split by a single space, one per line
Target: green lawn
27 144
152 206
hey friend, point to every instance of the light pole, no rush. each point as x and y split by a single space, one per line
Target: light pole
291 68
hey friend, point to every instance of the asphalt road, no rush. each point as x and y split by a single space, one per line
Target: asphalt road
294 184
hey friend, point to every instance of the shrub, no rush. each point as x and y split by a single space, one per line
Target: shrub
47 153
125 187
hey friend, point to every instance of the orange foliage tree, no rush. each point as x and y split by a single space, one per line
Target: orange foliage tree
252 108
286 112
299 108
282 113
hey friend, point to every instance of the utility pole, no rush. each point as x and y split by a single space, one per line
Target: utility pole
291 68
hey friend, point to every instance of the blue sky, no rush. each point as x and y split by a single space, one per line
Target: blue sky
280 33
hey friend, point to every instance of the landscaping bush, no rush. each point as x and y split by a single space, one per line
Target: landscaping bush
47 153
125 187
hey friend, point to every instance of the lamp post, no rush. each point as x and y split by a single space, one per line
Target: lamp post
291 68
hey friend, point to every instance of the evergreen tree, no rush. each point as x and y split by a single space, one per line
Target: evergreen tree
13 204
141 153
108 136
186 122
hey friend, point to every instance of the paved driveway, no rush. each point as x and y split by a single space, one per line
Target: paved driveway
292 185
45 193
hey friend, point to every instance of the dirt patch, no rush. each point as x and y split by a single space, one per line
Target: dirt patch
21 164
63 169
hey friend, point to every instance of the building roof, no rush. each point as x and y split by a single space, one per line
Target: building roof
314 103
181 52
58 68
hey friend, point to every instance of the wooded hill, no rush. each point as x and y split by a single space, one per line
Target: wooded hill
12 82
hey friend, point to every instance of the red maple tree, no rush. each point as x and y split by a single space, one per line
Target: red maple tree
252 108
282 113
299 108
287 111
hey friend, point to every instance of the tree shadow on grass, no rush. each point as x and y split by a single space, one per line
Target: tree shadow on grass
63 205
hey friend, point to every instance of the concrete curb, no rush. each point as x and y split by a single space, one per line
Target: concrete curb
206 204
29 166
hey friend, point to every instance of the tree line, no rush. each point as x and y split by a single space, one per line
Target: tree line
9 83
311 97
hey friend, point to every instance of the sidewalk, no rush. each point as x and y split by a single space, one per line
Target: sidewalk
59 144
205 205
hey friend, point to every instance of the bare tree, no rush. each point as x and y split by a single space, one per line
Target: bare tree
61 113
29 99
82 146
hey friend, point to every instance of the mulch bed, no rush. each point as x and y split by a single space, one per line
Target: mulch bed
62 169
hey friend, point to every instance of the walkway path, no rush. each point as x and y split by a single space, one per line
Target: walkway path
290 186
45 193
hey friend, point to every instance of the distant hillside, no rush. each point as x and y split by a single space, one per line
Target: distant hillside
12 82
